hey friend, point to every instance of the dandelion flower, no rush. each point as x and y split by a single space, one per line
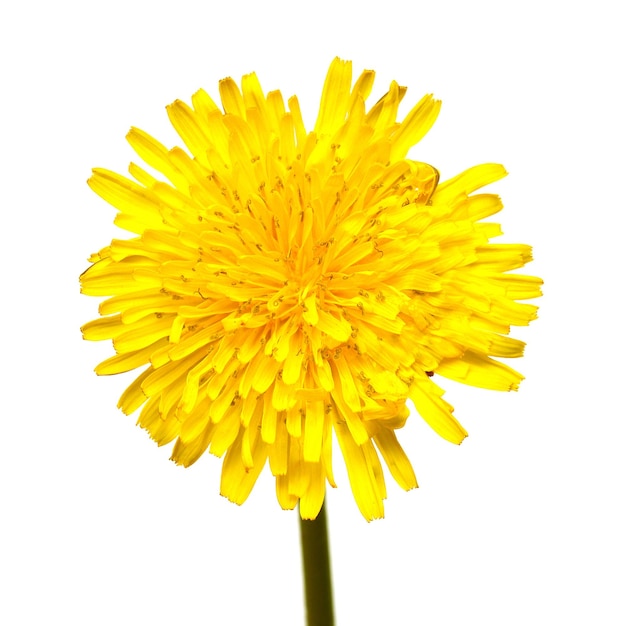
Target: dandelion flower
284 287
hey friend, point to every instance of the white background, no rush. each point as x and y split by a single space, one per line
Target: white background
522 524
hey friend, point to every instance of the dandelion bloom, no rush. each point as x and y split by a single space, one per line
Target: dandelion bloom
282 286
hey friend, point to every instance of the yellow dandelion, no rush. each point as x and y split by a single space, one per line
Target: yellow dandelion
282 286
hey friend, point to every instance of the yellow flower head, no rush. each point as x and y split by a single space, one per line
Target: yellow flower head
283 286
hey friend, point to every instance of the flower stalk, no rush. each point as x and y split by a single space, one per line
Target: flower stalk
316 565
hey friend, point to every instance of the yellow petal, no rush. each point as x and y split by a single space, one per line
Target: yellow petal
436 412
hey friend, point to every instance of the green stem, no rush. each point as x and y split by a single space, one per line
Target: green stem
316 562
